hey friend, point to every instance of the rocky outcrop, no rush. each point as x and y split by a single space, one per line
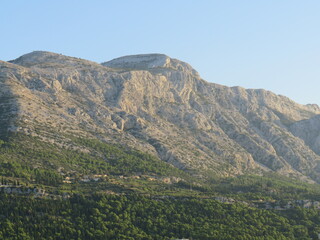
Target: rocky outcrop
149 61
162 106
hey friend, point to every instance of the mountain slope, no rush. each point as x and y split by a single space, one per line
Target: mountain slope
161 106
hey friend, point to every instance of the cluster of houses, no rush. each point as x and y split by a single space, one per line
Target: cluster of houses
104 177
14 189
224 199
86 178
94 178
167 180
279 205
273 205
34 191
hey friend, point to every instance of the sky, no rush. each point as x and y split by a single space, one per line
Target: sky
269 44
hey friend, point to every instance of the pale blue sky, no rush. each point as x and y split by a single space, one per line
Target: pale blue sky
270 44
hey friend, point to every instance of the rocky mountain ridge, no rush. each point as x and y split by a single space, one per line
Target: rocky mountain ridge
161 106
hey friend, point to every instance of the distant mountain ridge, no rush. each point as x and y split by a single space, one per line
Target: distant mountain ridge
161 106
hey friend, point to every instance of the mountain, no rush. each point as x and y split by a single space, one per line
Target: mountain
160 106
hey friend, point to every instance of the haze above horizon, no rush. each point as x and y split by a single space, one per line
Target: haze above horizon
274 45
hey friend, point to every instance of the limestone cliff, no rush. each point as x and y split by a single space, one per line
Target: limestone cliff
162 106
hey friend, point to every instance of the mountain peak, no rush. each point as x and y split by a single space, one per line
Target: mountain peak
149 61
35 56
40 58
140 61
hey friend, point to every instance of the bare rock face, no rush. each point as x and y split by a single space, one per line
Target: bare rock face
162 106
144 61
149 61
309 131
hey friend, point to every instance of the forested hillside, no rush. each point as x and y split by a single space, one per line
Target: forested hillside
135 217
134 202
